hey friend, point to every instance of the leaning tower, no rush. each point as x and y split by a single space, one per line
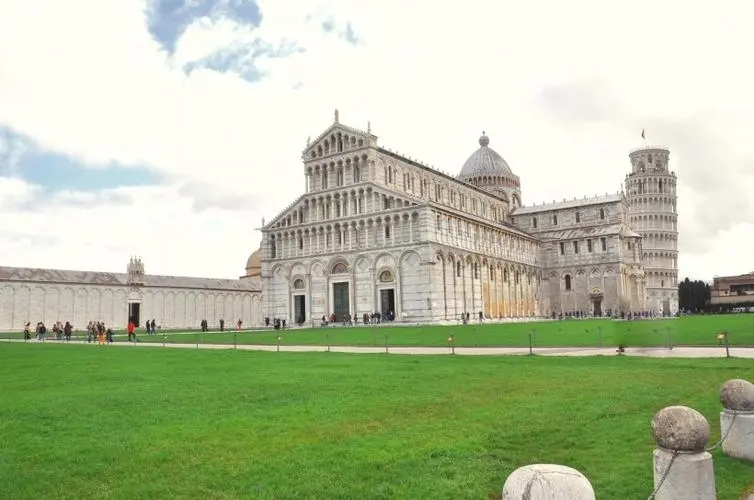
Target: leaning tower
651 188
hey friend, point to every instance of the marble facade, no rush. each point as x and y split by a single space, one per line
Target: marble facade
376 231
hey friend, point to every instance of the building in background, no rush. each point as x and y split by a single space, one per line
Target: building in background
733 291
52 295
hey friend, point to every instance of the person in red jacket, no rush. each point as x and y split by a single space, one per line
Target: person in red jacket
131 328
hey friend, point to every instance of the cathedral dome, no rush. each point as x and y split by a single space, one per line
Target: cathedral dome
254 263
484 162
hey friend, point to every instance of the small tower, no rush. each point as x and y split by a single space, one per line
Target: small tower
653 213
135 271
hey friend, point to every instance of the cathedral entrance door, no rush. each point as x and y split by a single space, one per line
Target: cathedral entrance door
596 297
134 310
597 312
387 300
340 300
666 307
299 309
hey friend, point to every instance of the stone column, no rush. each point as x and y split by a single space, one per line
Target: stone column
547 482
682 467
737 419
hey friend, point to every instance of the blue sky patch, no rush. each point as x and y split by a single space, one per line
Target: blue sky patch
168 19
241 59
57 172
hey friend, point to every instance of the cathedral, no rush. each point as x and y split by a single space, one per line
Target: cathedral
377 232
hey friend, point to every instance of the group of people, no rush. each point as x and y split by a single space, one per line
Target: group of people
59 330
96 331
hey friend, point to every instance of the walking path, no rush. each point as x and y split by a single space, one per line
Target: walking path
653 352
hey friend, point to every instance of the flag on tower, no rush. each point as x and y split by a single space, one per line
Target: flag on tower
642 134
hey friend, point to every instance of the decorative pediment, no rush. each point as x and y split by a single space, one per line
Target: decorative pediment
336 139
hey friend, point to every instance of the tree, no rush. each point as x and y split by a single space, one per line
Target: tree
693 295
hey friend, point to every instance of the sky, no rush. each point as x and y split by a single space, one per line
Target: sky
169 129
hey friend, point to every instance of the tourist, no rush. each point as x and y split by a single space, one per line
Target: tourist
67 330
131 331
148 327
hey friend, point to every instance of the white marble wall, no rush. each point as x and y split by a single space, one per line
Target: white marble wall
407 274
172 308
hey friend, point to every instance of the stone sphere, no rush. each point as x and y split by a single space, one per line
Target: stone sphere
547 482
680 428
737 395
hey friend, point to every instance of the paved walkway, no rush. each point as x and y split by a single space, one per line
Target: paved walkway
652 352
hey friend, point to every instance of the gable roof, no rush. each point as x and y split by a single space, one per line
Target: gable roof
375 187
561 205
335 127
61 276
575 233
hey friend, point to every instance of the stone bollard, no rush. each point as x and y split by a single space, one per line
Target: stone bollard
737 419
547 482
682 467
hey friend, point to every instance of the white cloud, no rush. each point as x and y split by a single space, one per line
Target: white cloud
429 78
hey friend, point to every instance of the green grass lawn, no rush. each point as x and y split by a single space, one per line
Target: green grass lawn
96 422
692 330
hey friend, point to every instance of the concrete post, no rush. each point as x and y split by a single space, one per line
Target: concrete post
547 482
682 467
737 419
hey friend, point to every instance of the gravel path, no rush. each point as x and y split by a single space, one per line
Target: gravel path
653 352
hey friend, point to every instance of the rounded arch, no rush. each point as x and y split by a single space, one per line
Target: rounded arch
389 259
406 253
335 261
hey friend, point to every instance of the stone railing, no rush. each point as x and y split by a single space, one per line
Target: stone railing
683 468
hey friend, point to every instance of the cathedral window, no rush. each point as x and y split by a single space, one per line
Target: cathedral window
389 175
575 247
476 271
659 186
604 244
505 275
437 223
534 222
567 282
300 242
554 220
387 232
324 180
562 248
602 214
458 269
589 246
578 217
